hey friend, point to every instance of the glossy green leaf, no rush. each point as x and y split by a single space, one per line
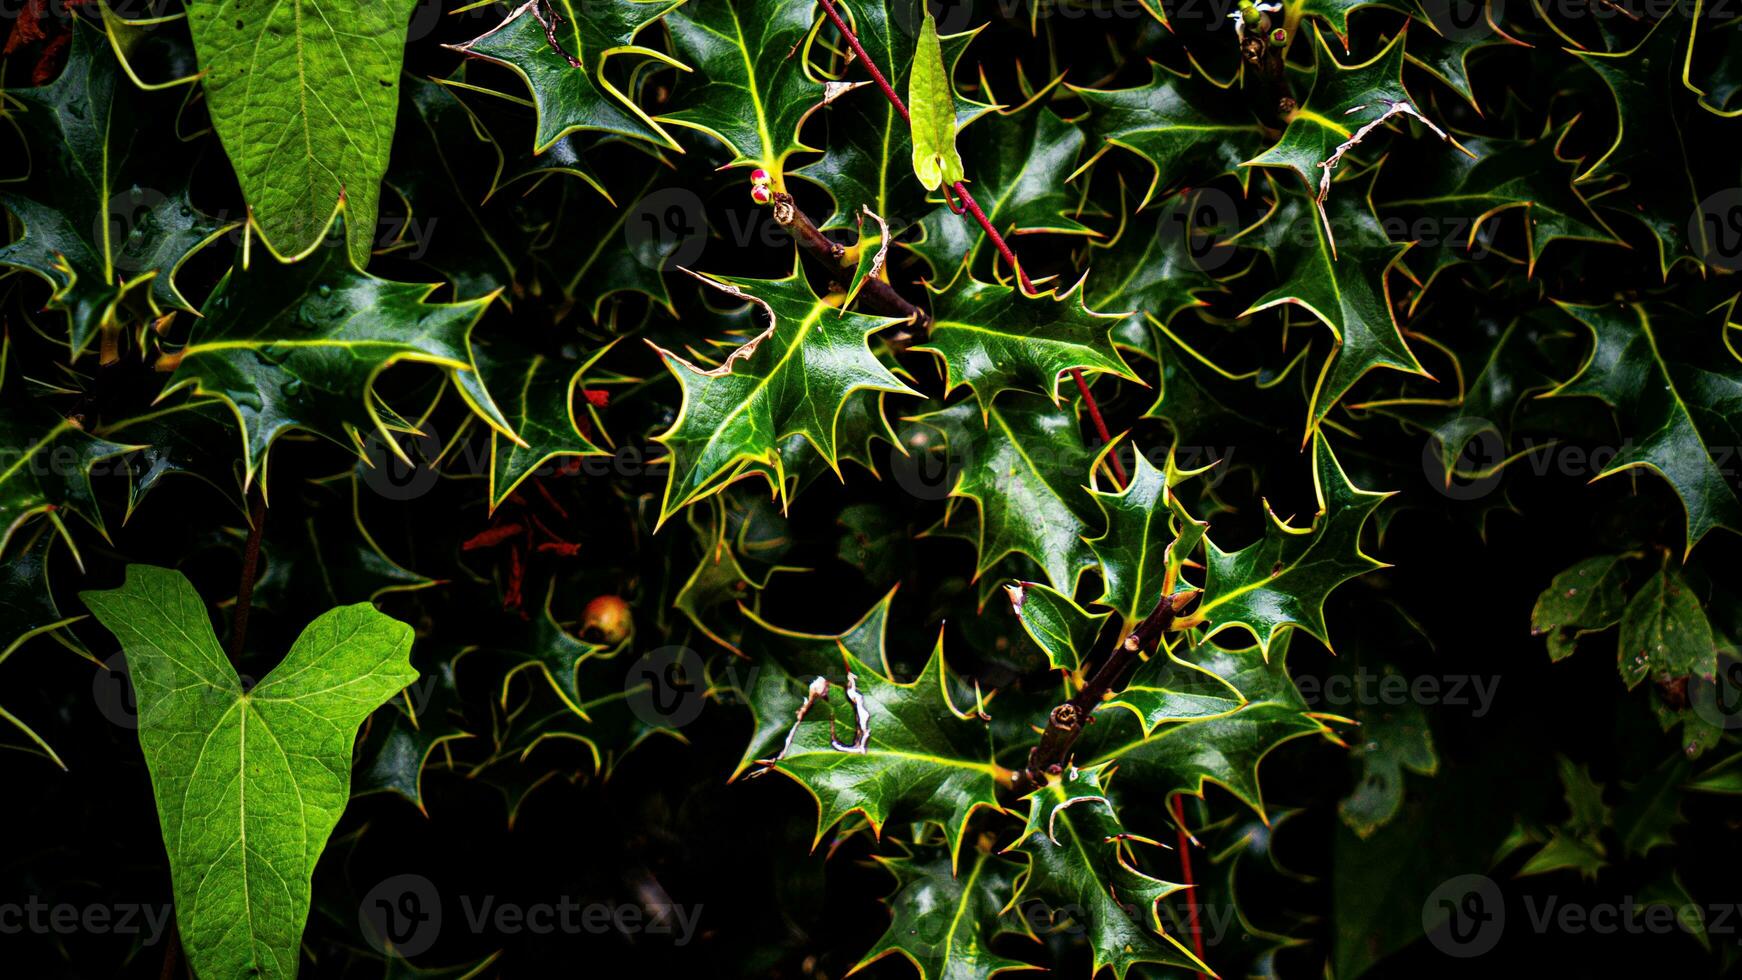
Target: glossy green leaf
944 922
1149 536
931 100
1063 630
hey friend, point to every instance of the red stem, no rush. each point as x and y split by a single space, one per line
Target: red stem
973 208
1185 866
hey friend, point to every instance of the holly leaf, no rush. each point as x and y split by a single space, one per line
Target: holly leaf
414 730
28 609
1281 580
793 378
1167 688
1185 124
1665 634
559 49
540 410
1063 630
996 338
1344 285
1675 392
1586 598
1149 536
1023 464
105 209
1323 123
1158 268
944 923
249 784
299 346
921 759
305 99
752 89
50 462
1079 864
786 661
190 439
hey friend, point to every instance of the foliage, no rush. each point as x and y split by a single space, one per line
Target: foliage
796 487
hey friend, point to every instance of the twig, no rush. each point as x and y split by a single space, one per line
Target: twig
1185 867
973 207
250 565
877 293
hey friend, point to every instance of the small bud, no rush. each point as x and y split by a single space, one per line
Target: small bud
1278 38
759 176
761 194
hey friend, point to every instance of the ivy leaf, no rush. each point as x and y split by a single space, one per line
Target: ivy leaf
1023 464
923 760
1185 124
249 784
105 209
996 338
541 412
931 100
867 158
569 97
752 89
1676 392
1344 286
944 923
1665 634
299 346
1320 125
1225 748
1282 579
1586 598
1149 536
1017 158
305 99
1079 861
1062 629
793 378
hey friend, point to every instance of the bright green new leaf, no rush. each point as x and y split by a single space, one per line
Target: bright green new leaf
931 102
249 783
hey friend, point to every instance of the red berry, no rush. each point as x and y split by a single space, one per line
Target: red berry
761 194
759 176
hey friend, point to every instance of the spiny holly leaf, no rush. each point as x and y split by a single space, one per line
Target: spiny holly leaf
1149 535
996 338
1222 748
1024 464
427 720
1452 37
944 922
1208 405
1586 598
867 160
593 259
249 784
1166 688
1664 632
1678 396
1062 629
49 463
190 439
28 609
785 662
793 378
298 346
922 760
571 97
539 393
1662 139
104 206
1325 121
304 98
1282 579
1335 13
1189 127
1347 291
1504 175
1017 156
1079 864
1156 266
751 89
720 577
535 642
